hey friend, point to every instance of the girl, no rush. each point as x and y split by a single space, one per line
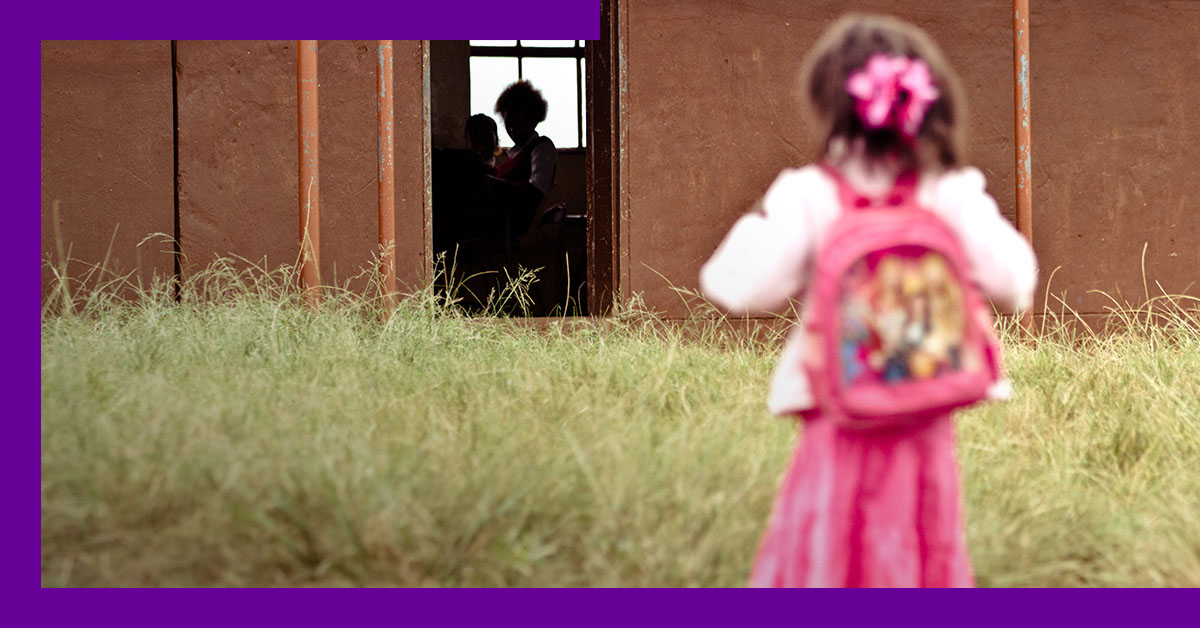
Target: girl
867 507
527 174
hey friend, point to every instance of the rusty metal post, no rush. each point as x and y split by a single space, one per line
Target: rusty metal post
1023 139
310 214
387 172
1021 76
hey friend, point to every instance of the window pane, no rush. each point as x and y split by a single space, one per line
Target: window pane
489 77
556 79
493 42
548 43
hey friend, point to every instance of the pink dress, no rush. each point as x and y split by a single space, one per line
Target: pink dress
858 507
868 509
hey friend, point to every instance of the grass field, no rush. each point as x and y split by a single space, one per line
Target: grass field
241 439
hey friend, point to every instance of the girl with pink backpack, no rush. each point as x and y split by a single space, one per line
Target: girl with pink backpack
892 246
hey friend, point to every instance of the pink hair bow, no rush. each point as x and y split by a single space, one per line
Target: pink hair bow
877 89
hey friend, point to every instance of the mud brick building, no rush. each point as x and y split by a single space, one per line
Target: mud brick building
691 108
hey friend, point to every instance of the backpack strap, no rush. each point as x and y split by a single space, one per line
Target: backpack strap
904 189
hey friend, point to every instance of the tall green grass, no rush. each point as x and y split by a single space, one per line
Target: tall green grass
237 438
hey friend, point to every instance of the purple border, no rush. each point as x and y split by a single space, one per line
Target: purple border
21 165
612 607
398 19
438 19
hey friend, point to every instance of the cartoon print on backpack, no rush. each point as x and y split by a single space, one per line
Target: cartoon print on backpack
890 319
904 321
946 317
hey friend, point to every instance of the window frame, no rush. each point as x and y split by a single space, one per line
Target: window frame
520 52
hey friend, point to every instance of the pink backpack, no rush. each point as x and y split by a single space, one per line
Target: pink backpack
901 333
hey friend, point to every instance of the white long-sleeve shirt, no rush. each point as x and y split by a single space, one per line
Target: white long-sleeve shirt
543 161
767 257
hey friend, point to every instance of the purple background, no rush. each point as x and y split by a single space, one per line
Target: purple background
28 604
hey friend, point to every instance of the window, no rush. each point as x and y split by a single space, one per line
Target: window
553 66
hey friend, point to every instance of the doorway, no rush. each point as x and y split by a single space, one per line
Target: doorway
563 249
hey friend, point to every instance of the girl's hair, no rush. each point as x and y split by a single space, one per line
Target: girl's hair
844 50
524 96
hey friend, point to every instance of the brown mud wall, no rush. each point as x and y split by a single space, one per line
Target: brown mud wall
107 145
1116 133
709 116
107 136
1116 148
704 145
238 157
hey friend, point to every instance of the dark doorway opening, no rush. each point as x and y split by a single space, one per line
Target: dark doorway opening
550 246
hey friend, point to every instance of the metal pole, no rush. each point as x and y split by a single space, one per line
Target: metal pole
310 214
1021 75
1024 140
387 172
